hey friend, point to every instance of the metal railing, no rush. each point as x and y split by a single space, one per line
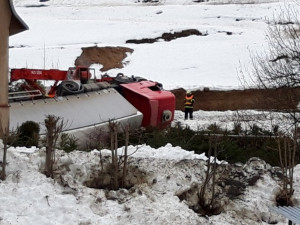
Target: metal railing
24 94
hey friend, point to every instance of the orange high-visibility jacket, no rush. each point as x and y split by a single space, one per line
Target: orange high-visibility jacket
189 101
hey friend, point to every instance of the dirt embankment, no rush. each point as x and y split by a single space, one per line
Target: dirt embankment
108 57
282 98
113 57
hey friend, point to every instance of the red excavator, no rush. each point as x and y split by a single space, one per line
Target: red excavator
84 101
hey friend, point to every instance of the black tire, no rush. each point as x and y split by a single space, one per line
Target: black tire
139 79
69 88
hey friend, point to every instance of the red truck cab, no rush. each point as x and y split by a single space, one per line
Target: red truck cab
156 104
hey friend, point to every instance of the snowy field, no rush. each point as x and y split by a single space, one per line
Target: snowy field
58 31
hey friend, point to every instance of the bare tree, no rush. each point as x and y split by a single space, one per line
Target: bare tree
54 126
279 68
119 161
113 128
125 161
207 194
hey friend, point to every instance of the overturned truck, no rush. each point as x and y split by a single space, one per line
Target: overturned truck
85 102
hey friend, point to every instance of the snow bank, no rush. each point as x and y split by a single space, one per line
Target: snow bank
28 197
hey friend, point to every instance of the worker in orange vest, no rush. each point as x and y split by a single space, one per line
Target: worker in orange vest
188 105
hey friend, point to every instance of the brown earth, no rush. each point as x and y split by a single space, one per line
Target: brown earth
108 57
241 99
113 57
167 36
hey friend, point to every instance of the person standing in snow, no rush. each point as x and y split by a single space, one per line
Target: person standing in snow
188 105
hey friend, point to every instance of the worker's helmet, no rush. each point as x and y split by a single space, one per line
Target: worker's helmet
188 92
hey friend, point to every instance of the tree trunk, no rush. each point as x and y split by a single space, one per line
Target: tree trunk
125 156
54 128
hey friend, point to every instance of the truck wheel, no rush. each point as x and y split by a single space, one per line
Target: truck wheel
167 115
69 88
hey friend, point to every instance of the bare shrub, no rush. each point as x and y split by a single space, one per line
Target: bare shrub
287 151
119 163
98 138
114 171
54 126
208 195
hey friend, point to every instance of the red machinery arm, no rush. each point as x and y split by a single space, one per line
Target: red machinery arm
37 74
32 75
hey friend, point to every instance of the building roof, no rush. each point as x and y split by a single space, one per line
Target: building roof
17 25
292 213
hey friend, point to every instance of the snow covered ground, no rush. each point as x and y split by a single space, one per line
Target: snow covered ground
28 197
59 30
57 33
